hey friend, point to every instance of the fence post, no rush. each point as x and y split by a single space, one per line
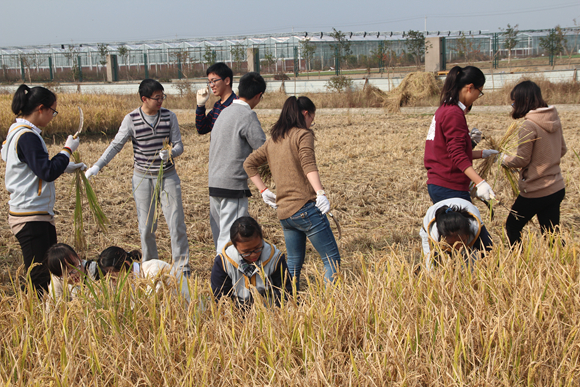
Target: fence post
22 70
179 72
495 50
51 75
336 63
80 68
146 65
296 70
381 55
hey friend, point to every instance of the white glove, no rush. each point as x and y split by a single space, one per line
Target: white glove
476 135
323 203
71 167
72 143
269 198
164 155
484 191
202 96
488 152
92 171
502 157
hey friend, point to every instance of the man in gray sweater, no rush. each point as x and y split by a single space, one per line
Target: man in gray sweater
236 133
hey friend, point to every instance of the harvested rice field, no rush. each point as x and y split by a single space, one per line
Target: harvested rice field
513 320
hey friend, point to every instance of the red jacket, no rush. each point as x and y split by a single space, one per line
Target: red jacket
448 149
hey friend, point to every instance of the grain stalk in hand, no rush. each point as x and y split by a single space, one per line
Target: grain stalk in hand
83 188
156 199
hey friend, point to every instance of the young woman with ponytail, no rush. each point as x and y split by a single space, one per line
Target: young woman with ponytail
30 175
300 200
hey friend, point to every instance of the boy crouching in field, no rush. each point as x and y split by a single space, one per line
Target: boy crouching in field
236 132
148 127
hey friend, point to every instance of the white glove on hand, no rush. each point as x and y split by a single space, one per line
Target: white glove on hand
202 96
92 171
269 198
323 203
72 143
484 191
502 157
476 135
164 155
488 152
71 167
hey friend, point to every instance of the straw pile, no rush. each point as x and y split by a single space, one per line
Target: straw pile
414 88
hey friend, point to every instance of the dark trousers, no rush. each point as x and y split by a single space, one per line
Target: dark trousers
546 208
35 239
438 193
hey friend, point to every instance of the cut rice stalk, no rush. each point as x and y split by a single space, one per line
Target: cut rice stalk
156 199
83 188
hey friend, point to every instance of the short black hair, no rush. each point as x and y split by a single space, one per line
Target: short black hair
221 70
251 85
114 259
526 96
59 256
148 87
453 220
244 229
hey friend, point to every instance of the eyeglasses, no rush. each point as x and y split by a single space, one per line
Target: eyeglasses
480 94
160 98
54 112
246 255
262 96
212 82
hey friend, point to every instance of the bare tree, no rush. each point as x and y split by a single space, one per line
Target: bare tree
124 54
308 50
510 40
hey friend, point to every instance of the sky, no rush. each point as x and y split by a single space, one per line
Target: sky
35 22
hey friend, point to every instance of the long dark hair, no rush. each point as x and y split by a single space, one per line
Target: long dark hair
526 96
58 257
456 79
114 259
453 220
26 100
244 229
292 117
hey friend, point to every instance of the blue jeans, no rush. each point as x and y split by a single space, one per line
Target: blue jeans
310 222
438 193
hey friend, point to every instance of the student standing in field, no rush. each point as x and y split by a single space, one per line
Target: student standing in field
541 146
451 224
220 78
236 133
147 127
30 175
248 261
300 201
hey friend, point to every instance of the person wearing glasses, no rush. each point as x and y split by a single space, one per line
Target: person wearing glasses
236 134
30 175
148 127
220 79
248 262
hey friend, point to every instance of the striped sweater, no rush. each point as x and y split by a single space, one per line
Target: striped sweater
147 141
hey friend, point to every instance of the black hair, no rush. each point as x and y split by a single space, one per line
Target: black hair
27 99
59 256
114 259
292 117
456 79
251 84
453 220
149 86
244 229
222 70
526 96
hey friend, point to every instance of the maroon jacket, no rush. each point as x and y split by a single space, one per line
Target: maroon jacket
448 149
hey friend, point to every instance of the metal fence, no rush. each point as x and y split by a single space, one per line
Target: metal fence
189 58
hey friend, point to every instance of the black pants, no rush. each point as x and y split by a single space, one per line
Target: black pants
35 239
546 208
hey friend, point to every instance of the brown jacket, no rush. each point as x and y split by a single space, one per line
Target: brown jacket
290 160
541 145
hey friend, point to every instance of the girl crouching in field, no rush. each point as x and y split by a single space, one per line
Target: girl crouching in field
30 175
452 224
300 200
246 262
67 271
541 146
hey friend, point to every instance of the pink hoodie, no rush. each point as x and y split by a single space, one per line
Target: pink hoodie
541 145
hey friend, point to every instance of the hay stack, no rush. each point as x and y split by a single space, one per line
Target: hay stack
414 88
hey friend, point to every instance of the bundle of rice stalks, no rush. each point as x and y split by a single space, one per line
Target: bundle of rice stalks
83 188
156 199
414 88
506 145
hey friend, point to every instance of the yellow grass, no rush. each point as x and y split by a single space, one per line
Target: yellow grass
513 320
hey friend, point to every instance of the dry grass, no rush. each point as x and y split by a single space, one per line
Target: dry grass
511 321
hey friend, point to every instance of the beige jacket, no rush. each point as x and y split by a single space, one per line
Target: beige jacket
541 145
